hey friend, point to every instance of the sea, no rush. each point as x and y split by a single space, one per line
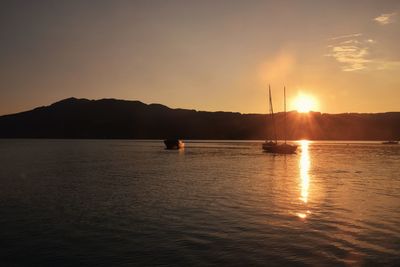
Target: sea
214 203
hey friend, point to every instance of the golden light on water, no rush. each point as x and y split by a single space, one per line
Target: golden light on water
304 170
304 103
302 215
304 166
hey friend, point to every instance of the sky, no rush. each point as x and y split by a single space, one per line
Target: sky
205 55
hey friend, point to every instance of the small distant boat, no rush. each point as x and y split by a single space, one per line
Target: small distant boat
273 146
173 144
391 142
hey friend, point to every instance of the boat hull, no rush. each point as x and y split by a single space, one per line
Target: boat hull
173 144
279 148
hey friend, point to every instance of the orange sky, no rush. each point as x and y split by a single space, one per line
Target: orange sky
204 55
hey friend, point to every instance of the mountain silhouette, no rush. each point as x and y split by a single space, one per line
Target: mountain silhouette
121 119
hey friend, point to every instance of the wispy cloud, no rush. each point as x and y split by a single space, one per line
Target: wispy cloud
346 36
385 18
352 57
350 51
354 53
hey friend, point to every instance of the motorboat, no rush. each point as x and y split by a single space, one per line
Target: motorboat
173 144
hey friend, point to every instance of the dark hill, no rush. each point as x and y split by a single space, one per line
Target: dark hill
110 118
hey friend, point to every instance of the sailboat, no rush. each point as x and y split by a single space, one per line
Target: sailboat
273 146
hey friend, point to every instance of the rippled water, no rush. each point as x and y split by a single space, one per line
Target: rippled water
130 203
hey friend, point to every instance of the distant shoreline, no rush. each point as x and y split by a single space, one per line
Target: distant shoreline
74 118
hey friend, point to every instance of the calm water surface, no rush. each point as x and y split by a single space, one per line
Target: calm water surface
131 203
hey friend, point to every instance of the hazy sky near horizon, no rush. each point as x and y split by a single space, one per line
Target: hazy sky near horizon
204 55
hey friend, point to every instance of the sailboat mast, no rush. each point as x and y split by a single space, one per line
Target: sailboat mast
284 103
271 109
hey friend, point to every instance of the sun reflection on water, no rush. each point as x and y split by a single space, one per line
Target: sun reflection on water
304 166
304 170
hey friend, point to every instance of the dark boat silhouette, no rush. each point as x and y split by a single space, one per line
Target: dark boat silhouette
285 148
391 142
273 146
173 144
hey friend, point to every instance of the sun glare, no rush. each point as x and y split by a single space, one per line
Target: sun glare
304 103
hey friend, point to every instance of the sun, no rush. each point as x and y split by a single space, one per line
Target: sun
304 103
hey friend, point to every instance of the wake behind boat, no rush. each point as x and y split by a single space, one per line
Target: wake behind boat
274 146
